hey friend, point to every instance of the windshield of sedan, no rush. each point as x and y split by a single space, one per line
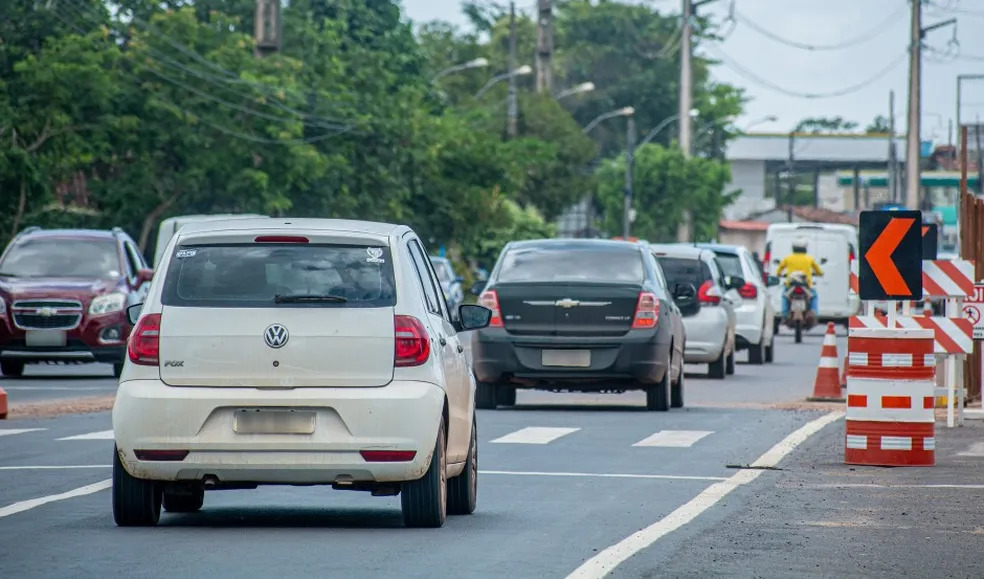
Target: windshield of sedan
280 275
571 264
62 257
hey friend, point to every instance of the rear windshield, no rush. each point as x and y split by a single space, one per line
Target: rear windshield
683 270
566 264
280 275
730 264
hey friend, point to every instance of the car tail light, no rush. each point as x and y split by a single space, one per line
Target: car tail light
490 299
281 239
144 347
798 290
388 455
412 342
748 291
161 455
709 293
647 312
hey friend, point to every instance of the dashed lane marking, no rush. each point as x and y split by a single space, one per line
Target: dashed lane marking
606 561
674 438
12 431
101 435
534 435
33 503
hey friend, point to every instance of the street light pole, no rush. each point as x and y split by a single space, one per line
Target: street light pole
629 163
476 63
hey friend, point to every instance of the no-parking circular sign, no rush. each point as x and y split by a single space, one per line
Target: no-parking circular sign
973 310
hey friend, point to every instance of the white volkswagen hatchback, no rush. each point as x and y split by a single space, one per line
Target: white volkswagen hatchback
296 352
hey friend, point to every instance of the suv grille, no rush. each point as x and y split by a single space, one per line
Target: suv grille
47 314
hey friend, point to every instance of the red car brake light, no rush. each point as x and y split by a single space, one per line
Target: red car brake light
144 346
708 294
490 299
647 312
412 342
748 291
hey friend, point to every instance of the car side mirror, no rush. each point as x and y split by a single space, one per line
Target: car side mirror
473 317
144 275
772 281
477 288
823 261
133 313
734 282
685 296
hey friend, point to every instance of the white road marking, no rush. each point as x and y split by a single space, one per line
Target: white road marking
11 431
534 435
55 467
600 475
605 562
32 503
674 438
59 388
101 435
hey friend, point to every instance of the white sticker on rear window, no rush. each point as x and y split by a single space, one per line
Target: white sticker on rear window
183 253
374 255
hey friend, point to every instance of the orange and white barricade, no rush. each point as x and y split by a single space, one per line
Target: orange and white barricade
891 380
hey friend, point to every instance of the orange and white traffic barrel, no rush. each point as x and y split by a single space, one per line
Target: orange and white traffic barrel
891 379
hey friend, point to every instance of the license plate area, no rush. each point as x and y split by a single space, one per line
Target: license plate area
799 306
273 421
566 358
45 338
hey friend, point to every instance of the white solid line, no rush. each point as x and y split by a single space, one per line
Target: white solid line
10 431
101 435
674 438
600 475
534 435
32 503
55 467
605 562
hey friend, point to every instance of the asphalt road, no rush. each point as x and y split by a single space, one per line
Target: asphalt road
563 478
42 382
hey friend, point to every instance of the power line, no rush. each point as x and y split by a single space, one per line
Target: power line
868 35
765 83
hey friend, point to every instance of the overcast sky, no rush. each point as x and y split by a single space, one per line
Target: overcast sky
874 34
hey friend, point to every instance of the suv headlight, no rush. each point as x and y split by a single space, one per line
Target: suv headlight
107 304
3 307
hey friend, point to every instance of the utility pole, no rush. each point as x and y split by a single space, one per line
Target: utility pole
629 165
790 180
893 162
513 112
544 47
267 27
686 103
912 146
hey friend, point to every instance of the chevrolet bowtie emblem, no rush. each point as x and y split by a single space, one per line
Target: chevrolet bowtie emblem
46 312
566 303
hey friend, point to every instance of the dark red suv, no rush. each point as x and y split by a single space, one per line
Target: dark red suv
64 294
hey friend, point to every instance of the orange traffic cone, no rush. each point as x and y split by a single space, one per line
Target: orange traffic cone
826 387
3 404
927 308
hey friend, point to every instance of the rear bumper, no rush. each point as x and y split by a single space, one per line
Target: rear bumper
149 415
638 356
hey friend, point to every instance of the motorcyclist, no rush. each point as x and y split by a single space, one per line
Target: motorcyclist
799 262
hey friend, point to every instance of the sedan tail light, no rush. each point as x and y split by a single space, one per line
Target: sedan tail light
412 342
647 312
748 291
144 347
490 299
709 293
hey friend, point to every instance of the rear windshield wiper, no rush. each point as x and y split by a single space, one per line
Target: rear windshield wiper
313 298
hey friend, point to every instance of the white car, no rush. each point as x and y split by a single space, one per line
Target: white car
710 330
755 314
297 352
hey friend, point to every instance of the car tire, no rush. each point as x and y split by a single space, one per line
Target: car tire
730 363
770 350
12 368
485 395
658 395
717 368
463 489
424 500
676 393
776 324
756 352
136 502
505 396
183 503
117 369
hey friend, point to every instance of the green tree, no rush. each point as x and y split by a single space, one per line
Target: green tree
880 124
664 185
825 125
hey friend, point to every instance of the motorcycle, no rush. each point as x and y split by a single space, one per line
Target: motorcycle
800 316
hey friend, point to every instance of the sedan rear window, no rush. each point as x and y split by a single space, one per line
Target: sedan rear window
280 275
730 264
567 264
682 270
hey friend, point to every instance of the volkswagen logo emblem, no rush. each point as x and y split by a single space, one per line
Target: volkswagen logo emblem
276 336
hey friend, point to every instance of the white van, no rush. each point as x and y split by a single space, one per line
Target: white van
171 225
833 246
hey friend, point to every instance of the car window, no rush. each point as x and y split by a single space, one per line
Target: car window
441 268
711 270
432 290
253 275
681 270
132 263
619 265
62 257
660 277
729 264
